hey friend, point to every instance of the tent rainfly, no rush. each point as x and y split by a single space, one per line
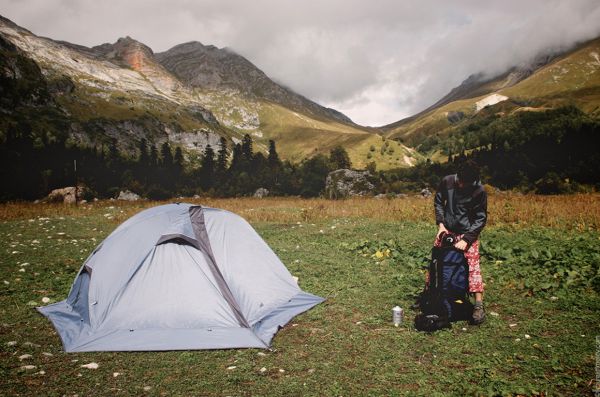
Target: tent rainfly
179 277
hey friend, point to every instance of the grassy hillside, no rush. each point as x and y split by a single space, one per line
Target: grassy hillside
572 79
539 337
300 135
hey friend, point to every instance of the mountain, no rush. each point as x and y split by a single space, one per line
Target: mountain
550 80
211 68
189 96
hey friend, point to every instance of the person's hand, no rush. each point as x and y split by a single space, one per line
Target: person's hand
441 229
461 245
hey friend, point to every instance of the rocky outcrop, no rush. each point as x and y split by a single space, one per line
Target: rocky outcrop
65 195
127 195
345 183
261 192
139 57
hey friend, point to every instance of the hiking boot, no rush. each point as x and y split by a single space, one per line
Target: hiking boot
478 313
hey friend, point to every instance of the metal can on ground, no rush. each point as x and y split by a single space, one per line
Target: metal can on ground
397 315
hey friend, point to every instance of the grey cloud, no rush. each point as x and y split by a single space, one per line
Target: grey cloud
377 61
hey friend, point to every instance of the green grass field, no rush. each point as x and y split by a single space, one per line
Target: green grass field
540 337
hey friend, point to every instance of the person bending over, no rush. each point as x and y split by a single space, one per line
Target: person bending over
461 209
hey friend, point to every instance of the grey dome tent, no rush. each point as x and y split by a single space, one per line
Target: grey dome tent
178 277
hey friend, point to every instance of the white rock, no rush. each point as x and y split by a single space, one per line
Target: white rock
231 367
554 298
47 354
28 367
115 374
11 343
42 372
147 388
494 314
261 354
45 299
512 325
25 357
281 370
263 369
527 336
489 101
90 366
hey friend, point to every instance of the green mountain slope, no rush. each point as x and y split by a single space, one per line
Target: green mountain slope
572 78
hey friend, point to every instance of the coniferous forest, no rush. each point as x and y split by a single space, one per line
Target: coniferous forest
544 152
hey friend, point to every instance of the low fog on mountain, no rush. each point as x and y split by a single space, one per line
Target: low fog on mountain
376 62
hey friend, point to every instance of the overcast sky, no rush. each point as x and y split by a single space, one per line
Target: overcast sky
377 61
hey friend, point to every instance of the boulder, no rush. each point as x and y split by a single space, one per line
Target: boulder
261 192
455 117
344 183
128 196
65 195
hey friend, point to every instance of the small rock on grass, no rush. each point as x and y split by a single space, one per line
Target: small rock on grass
147 388
231 367
28 367
11 343
90 366
25 357
115 374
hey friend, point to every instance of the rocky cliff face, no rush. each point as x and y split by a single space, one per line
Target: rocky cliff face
130 53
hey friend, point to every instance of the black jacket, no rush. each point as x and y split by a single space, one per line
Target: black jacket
461 210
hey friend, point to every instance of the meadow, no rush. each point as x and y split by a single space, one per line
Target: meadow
540 260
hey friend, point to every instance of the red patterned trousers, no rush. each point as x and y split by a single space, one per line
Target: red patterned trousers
472 257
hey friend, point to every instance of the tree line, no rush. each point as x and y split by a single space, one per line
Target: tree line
549 152
31 165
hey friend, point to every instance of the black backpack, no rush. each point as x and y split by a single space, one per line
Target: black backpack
445 299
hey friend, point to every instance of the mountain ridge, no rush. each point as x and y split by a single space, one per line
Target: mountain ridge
122 91
550 80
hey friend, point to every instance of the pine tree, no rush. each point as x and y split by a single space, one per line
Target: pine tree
178 159
207 170
247 150
338 158
166 155
236 158
153 155
222 156
143 159
273 158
